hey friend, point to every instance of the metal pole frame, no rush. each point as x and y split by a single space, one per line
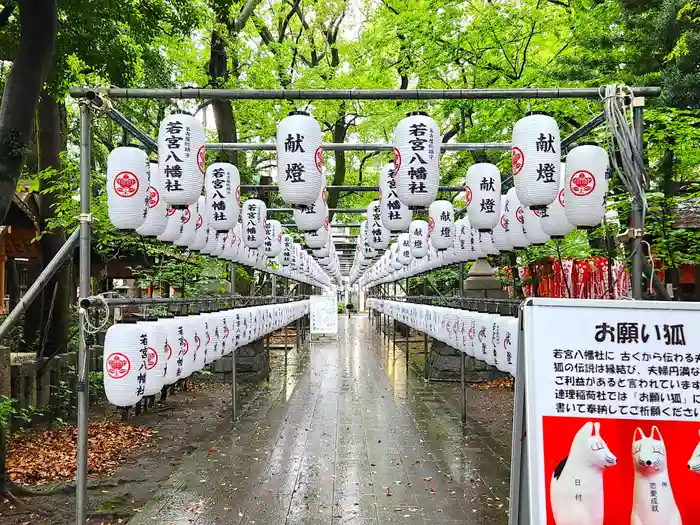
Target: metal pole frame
637 211
462 357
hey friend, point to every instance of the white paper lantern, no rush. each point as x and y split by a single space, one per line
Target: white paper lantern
396 216
124 363
417 143
173 229
182 159
587 168
403 254
483 196
173 348
501 241
223 195
220 239
419 232
510 343
273 238
209 241
188 228
474 246
200 227
254 217
156 358
553 219
200 339
127 187
536 159
287 250
365 241
515 219
319 238
310 218
378 234
462 244
532 227
486 243
441 216
157 212
299 159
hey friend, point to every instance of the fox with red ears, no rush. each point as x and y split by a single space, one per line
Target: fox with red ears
576 489
653 502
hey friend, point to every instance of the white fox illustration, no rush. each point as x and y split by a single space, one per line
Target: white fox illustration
653 502
576 489
694 461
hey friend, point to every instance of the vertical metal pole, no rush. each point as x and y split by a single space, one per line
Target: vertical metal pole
637 212
286 292
233 354
425 334
408 334
462 356
393 324
85 291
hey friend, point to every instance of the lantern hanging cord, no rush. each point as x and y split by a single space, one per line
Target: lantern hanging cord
93 329
617 107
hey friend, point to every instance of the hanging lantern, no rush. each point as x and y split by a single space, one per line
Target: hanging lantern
553 219
587 169
536 159
172 230
220 239
287 250
475 249
462 244
532 228
157 212
483 196
273 238
441 216
200 228
403 255
299 159
501 240
319 238
209 241
186 341
396 216
223 191
417 144
127 187
157 356
515 219
379 235
253 223
418 231
365 241
188 227
310 218
486 243
124 361
173 366
182 158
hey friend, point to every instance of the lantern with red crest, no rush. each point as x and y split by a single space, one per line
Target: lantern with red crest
127 187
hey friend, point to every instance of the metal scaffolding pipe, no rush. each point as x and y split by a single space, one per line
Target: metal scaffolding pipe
272 188
334 225
87 302
582 131
351 94
356 146
38 285
344 210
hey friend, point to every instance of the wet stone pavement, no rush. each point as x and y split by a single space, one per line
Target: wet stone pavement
342 435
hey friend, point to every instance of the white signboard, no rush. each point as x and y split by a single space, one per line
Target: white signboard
612 413
324 314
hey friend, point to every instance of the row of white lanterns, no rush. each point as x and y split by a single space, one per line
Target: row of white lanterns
488 337
140 358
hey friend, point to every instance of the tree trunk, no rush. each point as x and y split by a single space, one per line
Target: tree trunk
37 41
55 313
340 131
223 110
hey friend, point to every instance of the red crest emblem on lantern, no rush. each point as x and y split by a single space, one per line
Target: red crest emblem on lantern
470 333
171 212
118 365
170 351
318 158
397 161
538 213
197 342
518 160
238 193
202 158
153 197
186 216
185 347
468 195
208 338
126 184
582 183
561 198
226 332
152 359
200 221
519 215
503 222
431 224
325 223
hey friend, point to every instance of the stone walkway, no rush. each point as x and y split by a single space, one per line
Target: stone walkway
346 436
